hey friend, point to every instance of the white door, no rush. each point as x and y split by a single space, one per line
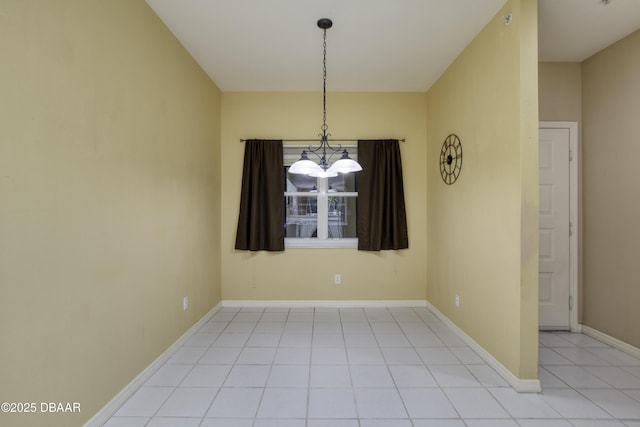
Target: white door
554 230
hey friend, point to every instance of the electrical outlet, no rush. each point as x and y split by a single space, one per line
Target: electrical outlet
338 279
185 303
457 300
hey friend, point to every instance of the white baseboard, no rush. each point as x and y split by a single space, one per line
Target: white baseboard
519 385
613 342
324 303
102 416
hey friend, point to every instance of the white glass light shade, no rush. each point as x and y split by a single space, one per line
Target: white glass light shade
304 167
322 173
345 166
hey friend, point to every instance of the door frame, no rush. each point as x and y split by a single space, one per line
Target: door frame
574 217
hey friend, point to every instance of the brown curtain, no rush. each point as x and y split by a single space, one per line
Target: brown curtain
382 220
261 218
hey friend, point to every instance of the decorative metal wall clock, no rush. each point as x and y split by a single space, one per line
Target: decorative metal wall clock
451 159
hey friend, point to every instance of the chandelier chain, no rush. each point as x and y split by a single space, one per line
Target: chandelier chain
324 82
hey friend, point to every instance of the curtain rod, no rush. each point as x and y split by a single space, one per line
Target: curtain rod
318 140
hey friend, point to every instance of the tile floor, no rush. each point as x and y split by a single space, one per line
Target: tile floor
375 367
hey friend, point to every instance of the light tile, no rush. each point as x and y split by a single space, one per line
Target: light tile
356 328
412 376
548 380
289 339
173 422
279 423
128 422
274 317
614 356
201 339
256 356
580 356
379 403
581 340
544 423
352 315
487 376
437 356
331 403
523 405
333 423
547 356
596 423
365 356
361 340
240 327
475 403
371 376
293 356
438 423
424 339
263 358
392 340
144 402
269 328
401 356
615 376
576 376
327 340
235 403
187 355
330 376
188 402
263 340
552 340
248 376
467 356
453 376
328 356
289 376
327 328
283 403
427 403
378 315
221 355
633 393
293 328
169 375
231 340
212 327
571 404
491 423
386 328
206 376
616 403
385 423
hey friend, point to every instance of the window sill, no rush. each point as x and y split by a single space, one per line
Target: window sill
313 243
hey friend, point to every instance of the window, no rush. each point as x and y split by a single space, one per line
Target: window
319 212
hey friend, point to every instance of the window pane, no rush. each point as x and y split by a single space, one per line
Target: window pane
301 216
343 183
297 182
342 217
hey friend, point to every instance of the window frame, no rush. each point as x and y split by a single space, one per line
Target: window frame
323 195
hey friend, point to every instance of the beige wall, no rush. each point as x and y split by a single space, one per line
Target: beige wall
560 91
109 199
482 230
611 204
307 274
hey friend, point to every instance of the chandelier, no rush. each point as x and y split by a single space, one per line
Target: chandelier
324 151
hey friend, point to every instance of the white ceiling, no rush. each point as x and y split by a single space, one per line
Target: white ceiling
374 45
